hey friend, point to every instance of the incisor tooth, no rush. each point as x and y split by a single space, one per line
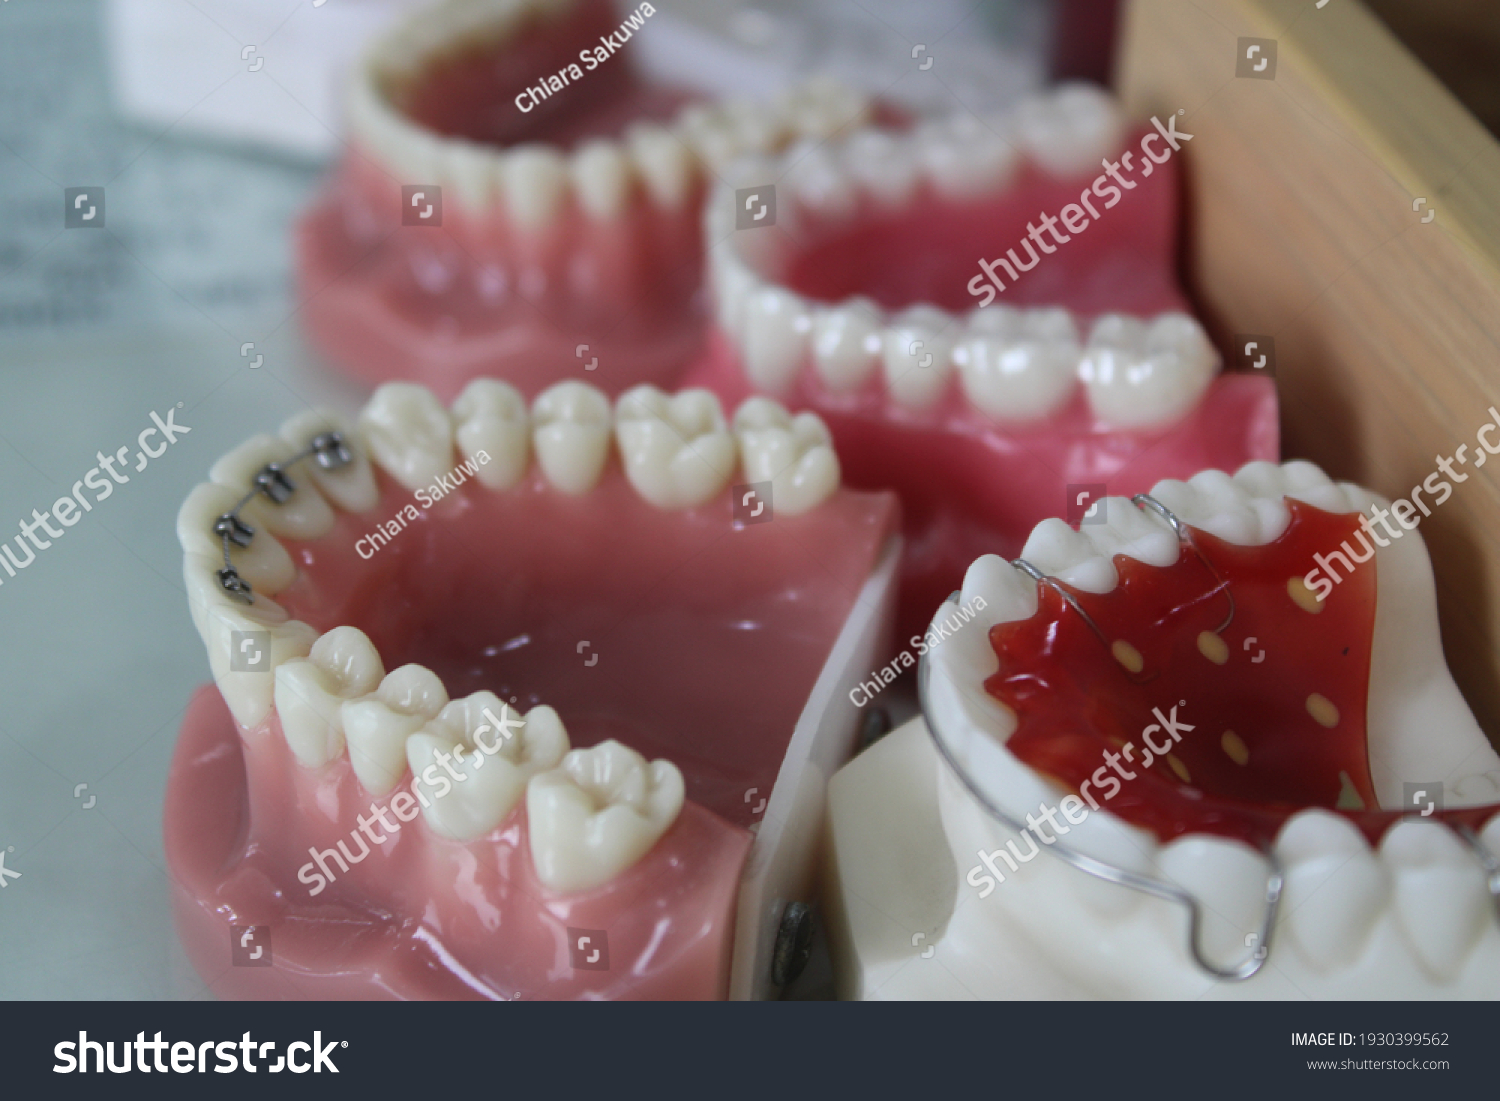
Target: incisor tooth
570 430
535 180
677 451
303 515
351 487
408 433
376 728
1441 900
601 178
488 753
664 163
1335 888
794 454
310 692
599 813
470 168
265 563
490 416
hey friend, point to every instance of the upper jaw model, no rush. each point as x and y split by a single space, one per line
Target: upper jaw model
1249 780
867 302
516 201
521 702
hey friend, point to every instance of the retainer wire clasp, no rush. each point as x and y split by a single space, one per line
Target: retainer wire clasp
328 449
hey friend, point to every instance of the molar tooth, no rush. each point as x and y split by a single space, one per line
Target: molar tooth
377 726
664 163
1128 530
496 752
1335 888
776 327
490 416
1142 377
408 433
846 343
794 454
601 178
310 692
304 515
599 813
677 451
570 431
1018 367
1069 130
535 179
1059 551
1441 900
265 563
918 356
351 487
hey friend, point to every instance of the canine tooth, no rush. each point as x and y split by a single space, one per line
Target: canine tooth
1059 551
598 813
1141 377
601 178
846 343
1018 366
310 692
265 563
219 618
963 167
794 454
882 165
776 326
1229 880
1441 900
664 163
570 431
1335 888
1069 131
1008 594
470 170
490 416
351 487
918 356
376 727
304 515
536 179
408 433
501 751
677 451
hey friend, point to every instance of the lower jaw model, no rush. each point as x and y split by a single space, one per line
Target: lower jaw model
1175 755
480 733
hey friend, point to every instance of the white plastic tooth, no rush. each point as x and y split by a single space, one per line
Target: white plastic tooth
819 183
794 454
495 752
1229 880
883 165
677 450
570 431
1008 593
917 356
265 563
712 135
1441 900
536 178
310 692
822 106
470 170
376 727
598 814
602 177
776 327
1141 376
490 416
756 126
221 621
1068 131
1225 509
962 166
1335 888
665 164
304 515
1059 551
846 344
1015 366
408 433
1130 531
351 487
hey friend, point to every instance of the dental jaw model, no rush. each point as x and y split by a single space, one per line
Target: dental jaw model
491 220
476 737
866 303
1250 841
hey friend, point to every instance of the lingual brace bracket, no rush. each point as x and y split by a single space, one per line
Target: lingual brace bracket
328 449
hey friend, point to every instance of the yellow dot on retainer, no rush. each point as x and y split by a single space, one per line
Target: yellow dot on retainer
1179 768
1127 655
1322 710
1214 648
1302 596
1235 748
